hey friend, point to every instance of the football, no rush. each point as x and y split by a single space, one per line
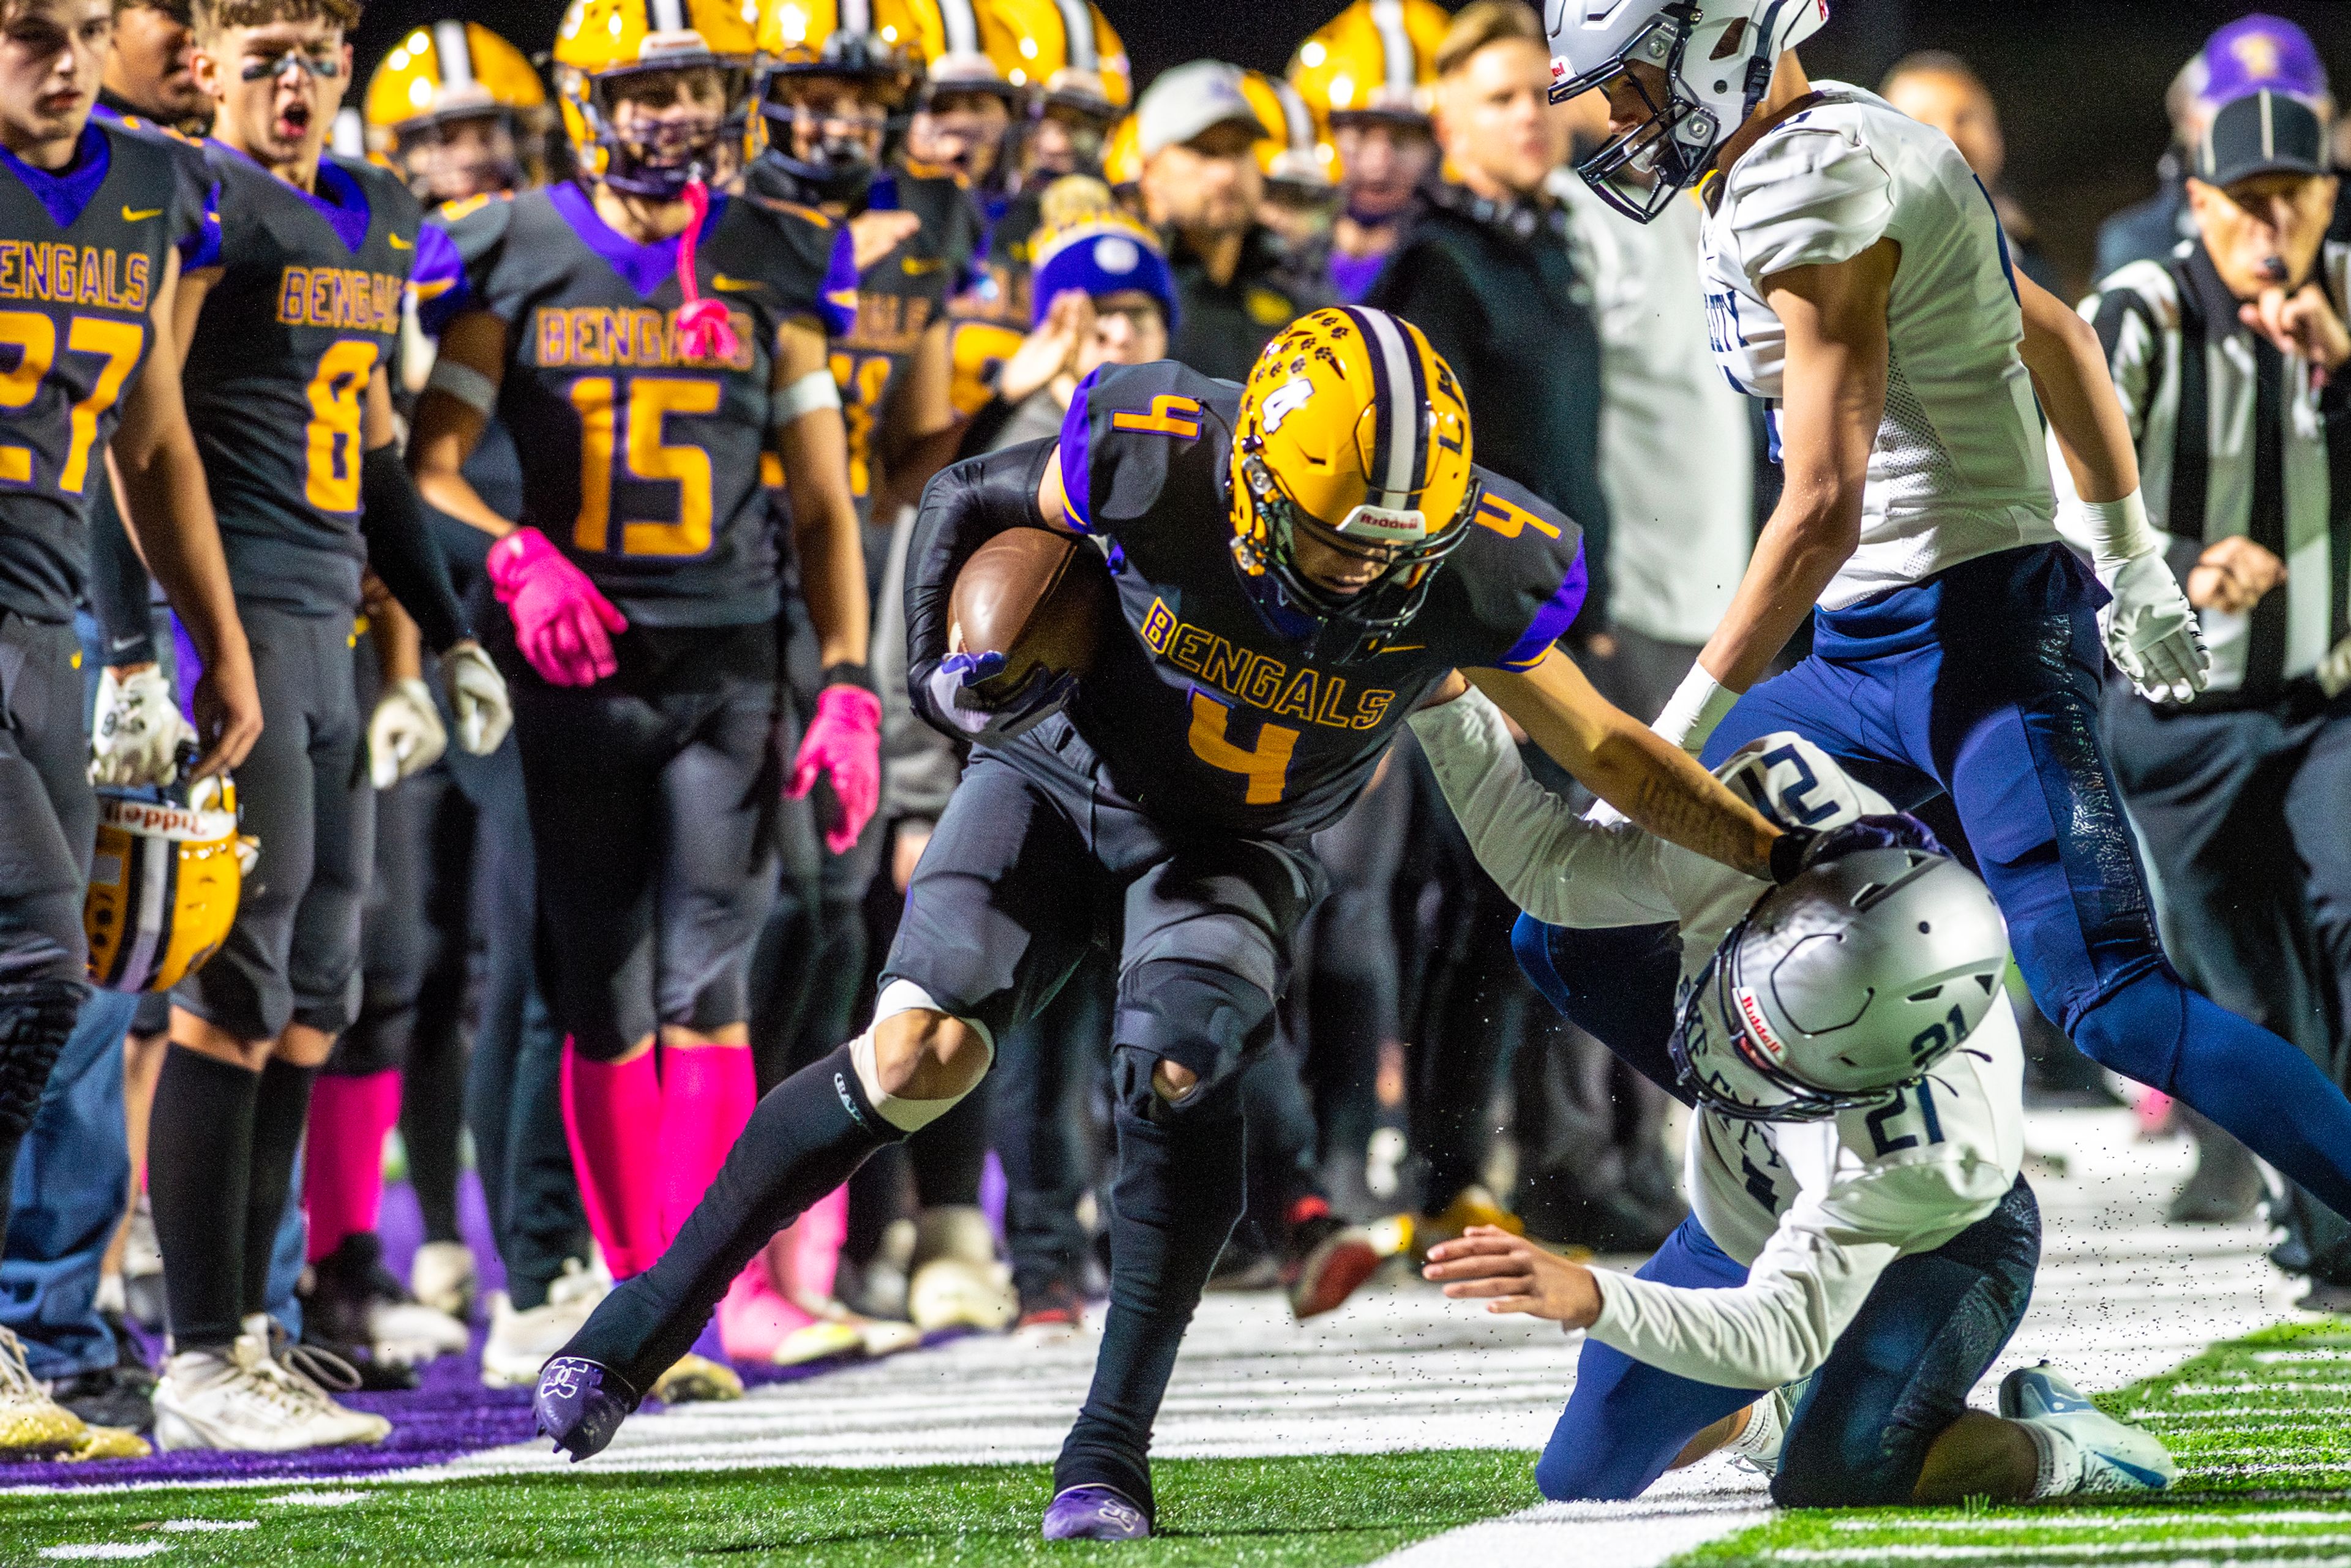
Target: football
1034 596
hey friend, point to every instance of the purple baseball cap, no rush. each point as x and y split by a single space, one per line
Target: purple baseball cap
2261 54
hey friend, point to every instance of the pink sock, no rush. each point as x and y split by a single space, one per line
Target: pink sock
753 1318
342 1167
708 1092
817 1238
611 1114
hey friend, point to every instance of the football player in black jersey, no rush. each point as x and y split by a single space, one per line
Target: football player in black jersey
94 222
648 342
289 318
1296 565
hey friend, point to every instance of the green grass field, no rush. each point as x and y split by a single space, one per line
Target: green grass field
2262 1427
1282 1513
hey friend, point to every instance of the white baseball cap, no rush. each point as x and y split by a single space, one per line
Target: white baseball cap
1190 99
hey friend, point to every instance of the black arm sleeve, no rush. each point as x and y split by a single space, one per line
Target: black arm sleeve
119 589
965 506
403 550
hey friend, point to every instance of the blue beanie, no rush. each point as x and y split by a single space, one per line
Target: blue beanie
1103 253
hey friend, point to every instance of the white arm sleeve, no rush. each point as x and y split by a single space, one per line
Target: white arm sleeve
1554 865
1805 1286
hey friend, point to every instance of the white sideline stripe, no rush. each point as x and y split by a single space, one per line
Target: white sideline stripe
1945 1551
2134 1519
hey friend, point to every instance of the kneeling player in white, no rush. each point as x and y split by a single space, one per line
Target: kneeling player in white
1863 1245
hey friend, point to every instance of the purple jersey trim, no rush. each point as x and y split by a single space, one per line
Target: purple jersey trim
1553 618
1077 484
65 195
839 302
201 246
339 199
1352 277
438 278
643 267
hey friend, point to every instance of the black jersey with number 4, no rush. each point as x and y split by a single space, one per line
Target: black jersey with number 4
642 464
1207 712
305 307
82 252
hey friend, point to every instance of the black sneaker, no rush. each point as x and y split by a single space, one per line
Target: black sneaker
110 1396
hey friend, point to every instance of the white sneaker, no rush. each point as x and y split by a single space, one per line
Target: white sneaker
443 1278
520 1342
239 1399
958 1281
2083 1448
409 1333
1758 1446
32 1425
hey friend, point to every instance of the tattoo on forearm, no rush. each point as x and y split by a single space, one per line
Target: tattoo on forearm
1674 804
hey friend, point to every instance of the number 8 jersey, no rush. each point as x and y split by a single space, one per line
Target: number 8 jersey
643 465
308 305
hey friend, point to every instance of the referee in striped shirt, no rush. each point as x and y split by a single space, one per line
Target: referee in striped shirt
2230 357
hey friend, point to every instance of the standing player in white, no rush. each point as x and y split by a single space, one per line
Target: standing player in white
1863 1244
1856 277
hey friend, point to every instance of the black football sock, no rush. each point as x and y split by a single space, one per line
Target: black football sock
1178 1191
282 1110
803 1140
199 1168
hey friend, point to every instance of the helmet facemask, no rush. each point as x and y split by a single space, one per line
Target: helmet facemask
1640 171
835 154
659 156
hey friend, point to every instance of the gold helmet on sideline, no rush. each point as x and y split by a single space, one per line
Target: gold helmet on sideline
1289 154
1376 59
1353 433
1066 49
163 881
453 71
879 46
602 42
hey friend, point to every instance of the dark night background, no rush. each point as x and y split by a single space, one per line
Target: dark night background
2080 82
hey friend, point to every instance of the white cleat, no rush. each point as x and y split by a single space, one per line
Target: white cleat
520 1342
443 1277
2114 1456
957 1280
241 1400
409 1333
32 1425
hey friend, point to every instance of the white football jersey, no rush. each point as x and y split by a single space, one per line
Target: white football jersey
1816 1209
1958 470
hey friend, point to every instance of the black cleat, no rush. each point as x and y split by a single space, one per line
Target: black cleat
580 1404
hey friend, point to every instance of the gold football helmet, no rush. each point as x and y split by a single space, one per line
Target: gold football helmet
876 47
163 883
445 76
1354 435
1291 154
1376 57
1066 49
603 43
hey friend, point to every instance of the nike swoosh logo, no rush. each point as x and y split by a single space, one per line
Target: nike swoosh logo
140 216
720 281
915 266
400 244
122 642
2152 1480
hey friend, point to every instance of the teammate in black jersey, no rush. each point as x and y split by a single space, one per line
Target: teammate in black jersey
1297 565
647 341
94 222
289 317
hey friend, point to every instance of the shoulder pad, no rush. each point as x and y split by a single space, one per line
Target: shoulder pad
1515 585
1807 195
1126 425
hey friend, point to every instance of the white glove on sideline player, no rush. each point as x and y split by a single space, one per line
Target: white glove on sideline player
478 697
135 739
405 734
2151 630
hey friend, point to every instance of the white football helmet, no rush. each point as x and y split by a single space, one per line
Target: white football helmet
1716 59
1844 985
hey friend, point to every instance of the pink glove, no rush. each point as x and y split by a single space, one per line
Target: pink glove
843 743
563 626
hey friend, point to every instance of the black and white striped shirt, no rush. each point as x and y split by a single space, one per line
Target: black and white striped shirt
2236 438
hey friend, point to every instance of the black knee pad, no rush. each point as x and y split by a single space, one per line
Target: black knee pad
36 1017
1200 1015
377 1043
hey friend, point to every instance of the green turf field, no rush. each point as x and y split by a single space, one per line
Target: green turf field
1282 1513
2262 1427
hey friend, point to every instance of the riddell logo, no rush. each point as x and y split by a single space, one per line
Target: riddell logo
1751 1012
164 822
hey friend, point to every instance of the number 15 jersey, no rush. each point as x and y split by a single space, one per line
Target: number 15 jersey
306 306
641 465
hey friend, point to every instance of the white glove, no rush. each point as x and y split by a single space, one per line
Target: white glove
405 734
2152 631
139 728
478 696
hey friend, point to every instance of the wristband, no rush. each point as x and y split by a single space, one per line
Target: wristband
812 392
465 384
1697 705
848 675
1788 852
2119 530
